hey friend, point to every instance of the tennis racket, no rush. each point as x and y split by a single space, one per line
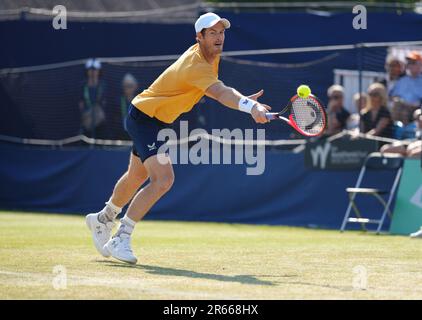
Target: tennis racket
306 115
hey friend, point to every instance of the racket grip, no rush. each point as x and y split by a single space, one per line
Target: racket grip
271 115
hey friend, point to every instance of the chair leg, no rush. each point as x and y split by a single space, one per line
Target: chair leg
357 212
390 199
355 209
385 212
351 198
346 216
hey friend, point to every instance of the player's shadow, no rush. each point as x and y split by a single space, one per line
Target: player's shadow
156 270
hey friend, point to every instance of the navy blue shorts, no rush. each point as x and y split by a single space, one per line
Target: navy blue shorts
144 131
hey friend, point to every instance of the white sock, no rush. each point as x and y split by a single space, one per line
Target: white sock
113 207
109 213
127 225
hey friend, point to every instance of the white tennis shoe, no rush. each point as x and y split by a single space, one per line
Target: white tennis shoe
417 234
101 232
119 247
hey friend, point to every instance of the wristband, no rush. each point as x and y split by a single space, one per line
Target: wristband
246 104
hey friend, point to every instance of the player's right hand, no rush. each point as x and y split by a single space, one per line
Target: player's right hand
258 112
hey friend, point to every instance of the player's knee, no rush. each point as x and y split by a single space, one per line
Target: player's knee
164 183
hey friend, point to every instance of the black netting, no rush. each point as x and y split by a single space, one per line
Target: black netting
44 104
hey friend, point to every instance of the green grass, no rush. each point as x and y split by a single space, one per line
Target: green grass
204 261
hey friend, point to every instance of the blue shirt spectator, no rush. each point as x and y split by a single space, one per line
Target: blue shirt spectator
409 89
395 68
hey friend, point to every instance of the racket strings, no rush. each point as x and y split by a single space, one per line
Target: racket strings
308 115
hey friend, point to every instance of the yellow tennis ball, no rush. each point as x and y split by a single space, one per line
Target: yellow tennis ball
303 91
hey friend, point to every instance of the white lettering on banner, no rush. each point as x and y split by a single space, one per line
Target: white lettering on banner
320 153
417 197
346 157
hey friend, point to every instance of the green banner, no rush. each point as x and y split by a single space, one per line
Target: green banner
407 215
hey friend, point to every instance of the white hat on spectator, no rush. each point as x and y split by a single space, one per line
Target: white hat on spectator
391 57
129 79
93 64
335 88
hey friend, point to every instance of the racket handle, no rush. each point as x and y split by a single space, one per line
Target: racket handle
271 115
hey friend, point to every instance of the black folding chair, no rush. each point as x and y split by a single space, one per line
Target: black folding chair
374 161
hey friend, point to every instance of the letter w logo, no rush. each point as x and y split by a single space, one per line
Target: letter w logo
417 198
320 153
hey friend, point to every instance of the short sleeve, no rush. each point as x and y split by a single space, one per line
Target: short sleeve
385 113
201 76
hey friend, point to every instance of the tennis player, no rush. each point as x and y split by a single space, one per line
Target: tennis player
174 92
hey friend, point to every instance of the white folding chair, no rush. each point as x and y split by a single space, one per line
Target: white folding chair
374 161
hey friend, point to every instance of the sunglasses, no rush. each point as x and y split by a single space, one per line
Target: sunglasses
336 97
374 94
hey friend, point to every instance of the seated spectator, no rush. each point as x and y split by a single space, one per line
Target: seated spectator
411 148
407 92
92 101
410 131
395 68
375 118
337 115
360 101
129 88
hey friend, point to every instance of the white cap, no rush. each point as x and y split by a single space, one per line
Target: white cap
208 20
129 79
93 64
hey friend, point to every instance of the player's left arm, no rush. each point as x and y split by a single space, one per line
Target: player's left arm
233 99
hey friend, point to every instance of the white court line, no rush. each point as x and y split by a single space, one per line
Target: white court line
38 279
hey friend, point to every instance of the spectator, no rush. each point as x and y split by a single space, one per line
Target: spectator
411 130
360 101
129 88
395 68
337 115
407 92
375 118
92 102
411 148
